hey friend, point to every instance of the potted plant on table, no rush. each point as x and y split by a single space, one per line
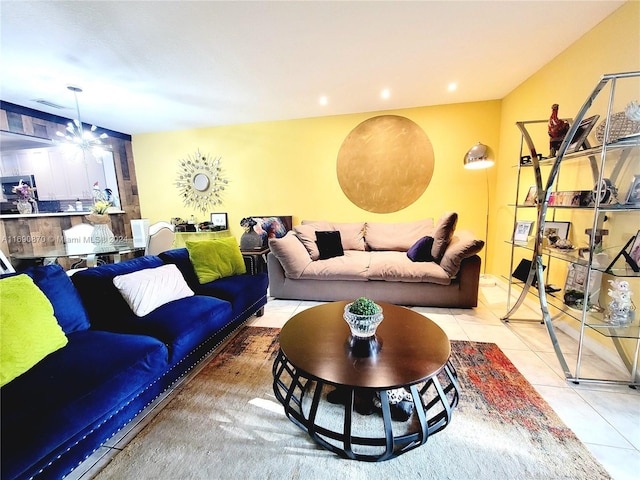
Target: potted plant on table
99 217
363 316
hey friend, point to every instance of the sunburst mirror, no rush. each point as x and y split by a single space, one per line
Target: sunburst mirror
200 181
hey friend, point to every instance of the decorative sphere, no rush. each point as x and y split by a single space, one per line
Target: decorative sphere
363 326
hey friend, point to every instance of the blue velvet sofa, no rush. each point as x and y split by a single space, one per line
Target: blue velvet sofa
114 364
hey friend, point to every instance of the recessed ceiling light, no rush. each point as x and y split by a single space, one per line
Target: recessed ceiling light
452 86
385 93
324 100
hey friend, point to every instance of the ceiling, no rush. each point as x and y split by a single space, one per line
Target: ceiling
149 66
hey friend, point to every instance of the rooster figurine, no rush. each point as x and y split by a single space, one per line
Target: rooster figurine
558 128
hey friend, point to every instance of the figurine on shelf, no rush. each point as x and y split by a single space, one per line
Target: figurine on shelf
621 307
558 128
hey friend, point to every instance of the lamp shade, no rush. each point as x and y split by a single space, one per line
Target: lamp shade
479 156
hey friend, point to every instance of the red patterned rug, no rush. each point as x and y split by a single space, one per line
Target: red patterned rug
226 423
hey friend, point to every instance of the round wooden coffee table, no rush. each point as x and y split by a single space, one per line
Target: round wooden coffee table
315 358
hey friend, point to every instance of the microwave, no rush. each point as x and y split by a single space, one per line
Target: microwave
7 184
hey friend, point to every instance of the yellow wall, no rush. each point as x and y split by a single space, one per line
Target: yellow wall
289 167
613 46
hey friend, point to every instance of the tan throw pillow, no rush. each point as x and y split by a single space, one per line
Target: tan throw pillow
462 246
442 234
307 235
396 236
351 234
291 253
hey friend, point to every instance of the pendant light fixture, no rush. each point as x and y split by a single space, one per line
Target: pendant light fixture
76 135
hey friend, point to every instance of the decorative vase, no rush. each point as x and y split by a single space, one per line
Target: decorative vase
250 240
362 341
24 207
363 326
102 234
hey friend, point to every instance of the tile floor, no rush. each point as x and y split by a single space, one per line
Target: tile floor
605 417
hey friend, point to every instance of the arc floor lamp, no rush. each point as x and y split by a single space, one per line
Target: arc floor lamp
480 157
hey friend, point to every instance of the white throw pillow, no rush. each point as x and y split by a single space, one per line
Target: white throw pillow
148 289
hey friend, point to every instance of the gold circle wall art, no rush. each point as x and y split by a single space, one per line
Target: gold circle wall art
200 181
385 164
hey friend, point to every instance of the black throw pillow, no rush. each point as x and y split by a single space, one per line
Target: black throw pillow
329 244
421 250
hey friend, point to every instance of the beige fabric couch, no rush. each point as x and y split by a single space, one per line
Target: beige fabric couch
375 264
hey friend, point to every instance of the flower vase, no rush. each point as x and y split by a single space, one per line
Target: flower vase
24 207
102 234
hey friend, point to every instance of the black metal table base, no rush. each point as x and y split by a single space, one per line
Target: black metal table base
340 429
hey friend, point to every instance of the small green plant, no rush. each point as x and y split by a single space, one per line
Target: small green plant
363 306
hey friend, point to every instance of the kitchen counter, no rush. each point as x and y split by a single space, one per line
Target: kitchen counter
56 214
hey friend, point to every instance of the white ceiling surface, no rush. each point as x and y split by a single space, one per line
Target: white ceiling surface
152 66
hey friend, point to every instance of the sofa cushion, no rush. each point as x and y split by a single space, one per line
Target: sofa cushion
351 234
421 250
28 330
216 258
148 289
67 305
396 236
442 234
329 244
353 265
180 258
72 391
291 253
462 245
307 235
183 324
246 293
397 267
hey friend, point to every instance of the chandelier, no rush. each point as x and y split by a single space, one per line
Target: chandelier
75 134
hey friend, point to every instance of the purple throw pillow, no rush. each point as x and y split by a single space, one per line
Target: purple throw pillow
421 250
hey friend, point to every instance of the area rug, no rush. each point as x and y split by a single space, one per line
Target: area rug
226 424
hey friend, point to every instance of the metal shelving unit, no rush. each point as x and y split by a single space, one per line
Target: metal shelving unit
609 163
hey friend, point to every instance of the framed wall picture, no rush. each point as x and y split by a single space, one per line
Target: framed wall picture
554 231
633 195
532 196
219 221
581 133
522 231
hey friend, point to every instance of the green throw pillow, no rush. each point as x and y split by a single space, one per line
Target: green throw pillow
217 258
28 330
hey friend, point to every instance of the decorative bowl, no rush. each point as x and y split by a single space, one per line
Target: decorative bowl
363 326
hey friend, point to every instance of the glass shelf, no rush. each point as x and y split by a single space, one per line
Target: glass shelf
593 320
623 143
572 256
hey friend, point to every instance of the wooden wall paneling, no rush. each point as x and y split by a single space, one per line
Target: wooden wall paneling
44 125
